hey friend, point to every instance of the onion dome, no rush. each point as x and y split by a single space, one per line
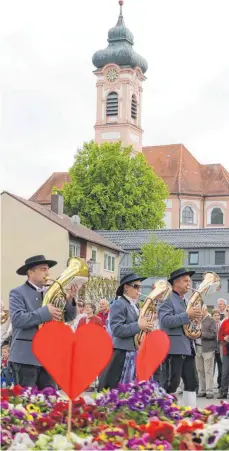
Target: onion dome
120 48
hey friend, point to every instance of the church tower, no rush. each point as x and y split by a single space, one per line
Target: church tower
120 74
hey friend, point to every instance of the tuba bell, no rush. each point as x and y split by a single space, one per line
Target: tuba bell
76 272
162 290
210 284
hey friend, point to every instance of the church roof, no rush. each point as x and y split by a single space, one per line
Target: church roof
120 48
181 172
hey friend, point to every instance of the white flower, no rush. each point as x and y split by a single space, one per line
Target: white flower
89 401
42 441
79 440
40 398
21 441
61 442
52 398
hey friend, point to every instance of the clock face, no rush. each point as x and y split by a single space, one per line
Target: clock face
112 75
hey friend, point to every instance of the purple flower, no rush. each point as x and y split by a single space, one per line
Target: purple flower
4 405
17 413
135 403
48 391
166 445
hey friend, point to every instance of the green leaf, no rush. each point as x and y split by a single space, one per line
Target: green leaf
111 190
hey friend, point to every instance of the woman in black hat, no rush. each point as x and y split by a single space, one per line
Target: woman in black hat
124 323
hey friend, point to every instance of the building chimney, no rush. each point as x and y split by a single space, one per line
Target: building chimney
57 204
75 219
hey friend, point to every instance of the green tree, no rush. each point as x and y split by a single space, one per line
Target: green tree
110 189
157 259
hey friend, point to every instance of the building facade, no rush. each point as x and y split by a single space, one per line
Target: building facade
205 250
29 229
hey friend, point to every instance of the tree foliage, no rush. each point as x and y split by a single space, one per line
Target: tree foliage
97 288
157 259
111 190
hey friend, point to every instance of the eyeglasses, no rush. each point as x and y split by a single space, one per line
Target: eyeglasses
135 286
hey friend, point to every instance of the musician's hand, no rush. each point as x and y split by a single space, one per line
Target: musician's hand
145 324
226 338
56 313
71 292
194 314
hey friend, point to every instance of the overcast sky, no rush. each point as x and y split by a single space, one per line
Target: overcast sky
47 88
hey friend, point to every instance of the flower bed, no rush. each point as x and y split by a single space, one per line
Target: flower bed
135 416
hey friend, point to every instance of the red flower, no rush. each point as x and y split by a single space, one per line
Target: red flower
185 426
60 407
17 389
159 429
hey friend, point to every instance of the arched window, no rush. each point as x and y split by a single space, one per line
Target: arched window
134 107
217 216
187 215
112 104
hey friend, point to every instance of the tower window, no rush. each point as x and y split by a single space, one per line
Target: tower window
216 216
112 104
187 215
134 107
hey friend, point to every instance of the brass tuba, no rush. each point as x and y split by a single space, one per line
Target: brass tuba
162 290
76 272
210 284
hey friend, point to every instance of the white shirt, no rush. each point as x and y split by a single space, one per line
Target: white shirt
40 290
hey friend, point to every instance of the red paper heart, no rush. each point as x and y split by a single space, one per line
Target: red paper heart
152 352
73 359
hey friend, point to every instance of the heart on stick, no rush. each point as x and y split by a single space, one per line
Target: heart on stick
152 352
73 359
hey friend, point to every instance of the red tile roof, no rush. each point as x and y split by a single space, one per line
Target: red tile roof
77 231
43 194
181 172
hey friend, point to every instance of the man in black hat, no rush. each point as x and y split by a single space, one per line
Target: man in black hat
124 324
27 313
172 317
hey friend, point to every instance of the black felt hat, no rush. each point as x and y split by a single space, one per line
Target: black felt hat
34 261
129 278
179 273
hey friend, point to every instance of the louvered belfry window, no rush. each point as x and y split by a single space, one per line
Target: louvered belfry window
134 107
112 104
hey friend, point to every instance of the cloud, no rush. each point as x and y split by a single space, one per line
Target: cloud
47 86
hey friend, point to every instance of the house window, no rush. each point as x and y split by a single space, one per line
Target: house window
217 216
228 285
109 262
196 284
134 107
219 257
112 104
94 254
74 249
193 258
187 215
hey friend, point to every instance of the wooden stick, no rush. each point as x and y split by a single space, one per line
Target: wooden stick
69 418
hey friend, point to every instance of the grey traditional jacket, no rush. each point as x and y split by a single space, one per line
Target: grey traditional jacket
208 334
27 313
123 322
172 316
